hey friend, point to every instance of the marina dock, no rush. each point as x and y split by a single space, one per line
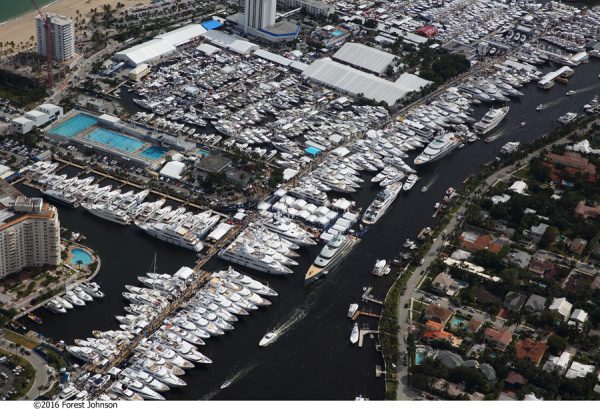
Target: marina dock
368 297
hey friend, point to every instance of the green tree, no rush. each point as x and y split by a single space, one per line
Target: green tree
556 344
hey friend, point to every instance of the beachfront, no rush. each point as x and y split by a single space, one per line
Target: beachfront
22 28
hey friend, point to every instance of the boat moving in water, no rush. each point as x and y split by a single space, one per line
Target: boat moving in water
268 339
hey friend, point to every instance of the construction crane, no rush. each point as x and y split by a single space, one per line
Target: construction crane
49 43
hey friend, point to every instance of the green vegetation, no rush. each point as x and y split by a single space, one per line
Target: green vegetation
24 381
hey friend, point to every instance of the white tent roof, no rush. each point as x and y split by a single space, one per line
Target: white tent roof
365 57
208 49
231 42
147 51
182 35
173 169
220 231
269 56
354 82
412 82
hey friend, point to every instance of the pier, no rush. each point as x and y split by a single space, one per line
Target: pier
358 313
362 333
368 297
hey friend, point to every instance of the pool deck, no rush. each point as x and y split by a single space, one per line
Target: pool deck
82 139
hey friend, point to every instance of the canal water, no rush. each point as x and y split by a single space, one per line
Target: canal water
313 359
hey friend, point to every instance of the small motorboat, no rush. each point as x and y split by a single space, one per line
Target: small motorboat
354 334
569 93
539 107
269 338
35 318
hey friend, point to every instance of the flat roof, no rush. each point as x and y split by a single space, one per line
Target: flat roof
213 163
365 57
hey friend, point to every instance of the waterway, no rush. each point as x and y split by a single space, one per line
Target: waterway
313 358
10 9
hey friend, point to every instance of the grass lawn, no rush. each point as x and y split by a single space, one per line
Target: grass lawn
522 173
19 339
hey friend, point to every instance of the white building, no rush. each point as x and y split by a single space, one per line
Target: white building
257 14
37 118
62 37
562 306
29 232
313 7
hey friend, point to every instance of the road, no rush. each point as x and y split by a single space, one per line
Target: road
39 365
404 391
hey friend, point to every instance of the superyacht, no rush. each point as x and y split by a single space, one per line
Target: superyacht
107 212
381 203
289 231
248 256
490 120
60 197
172 234
438 148
330 256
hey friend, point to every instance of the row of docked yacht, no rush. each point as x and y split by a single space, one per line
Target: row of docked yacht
175 226
268 246
77 296
161 357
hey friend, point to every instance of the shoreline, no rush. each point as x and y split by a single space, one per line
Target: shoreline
22 28
15 18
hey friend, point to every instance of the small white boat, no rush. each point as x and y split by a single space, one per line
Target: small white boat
352 310
354 334
569 93
268 339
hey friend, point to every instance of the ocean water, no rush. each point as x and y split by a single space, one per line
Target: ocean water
10 9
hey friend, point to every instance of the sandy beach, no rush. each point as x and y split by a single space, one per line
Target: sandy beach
22 28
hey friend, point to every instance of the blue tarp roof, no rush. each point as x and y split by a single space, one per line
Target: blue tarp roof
212 24
312 151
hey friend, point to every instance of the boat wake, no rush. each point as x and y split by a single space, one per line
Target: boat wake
297 316
586 89
430 183
238 375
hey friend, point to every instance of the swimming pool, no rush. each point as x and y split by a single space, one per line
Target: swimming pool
154 152
114 140
80 256
203 152
457 321
338 33
419 357
75 125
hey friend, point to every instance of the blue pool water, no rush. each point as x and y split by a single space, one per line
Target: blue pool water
338 33
114 140
75 125
419 357
80 256
203 152
154 152
457 321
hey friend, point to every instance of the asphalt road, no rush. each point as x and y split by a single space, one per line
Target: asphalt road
40 367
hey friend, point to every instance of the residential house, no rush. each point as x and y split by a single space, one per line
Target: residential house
515 379
542 267
558 364
578 317
438 313
534 304
574 164
473 326
472 241
587 212
530 349
498 339
443 283
536 232
579 370
514 301
442 335
578 245
562 306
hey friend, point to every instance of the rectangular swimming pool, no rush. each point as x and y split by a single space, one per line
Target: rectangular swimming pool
154 152
75 125
338 33
114 140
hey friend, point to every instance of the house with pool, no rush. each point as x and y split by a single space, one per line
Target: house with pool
112 136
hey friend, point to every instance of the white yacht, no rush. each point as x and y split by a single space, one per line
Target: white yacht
381 268
176 235
289 231
243 254
438 148
330 256
410 182
381 203
269 338
509 147
60 197
354 334
107 212
566 118
490 120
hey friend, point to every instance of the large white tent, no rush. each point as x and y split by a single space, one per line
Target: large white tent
364 57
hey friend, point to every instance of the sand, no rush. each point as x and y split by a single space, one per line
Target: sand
22 28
